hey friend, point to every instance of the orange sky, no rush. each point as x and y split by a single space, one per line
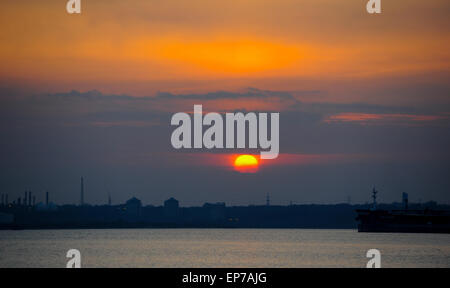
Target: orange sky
141 47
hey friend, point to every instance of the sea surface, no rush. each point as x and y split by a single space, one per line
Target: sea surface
221 248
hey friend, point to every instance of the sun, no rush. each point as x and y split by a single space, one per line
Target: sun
246 163
245 160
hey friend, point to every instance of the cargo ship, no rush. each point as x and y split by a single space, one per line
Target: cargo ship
402 220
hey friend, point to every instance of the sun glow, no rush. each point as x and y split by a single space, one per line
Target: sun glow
231 56
246 164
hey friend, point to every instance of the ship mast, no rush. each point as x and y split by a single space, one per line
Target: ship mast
374 196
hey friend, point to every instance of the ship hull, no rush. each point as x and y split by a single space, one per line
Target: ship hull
403 221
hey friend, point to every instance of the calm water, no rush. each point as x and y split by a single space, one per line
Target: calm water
221 248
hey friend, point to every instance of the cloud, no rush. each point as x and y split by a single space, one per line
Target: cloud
386 119
125 123
247 93
98 109
250 99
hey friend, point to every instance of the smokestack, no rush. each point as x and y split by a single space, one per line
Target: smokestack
405 200
46 198
6 199
82 192
25 198
29 198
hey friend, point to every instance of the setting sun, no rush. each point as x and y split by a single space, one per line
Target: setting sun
246 163
230 56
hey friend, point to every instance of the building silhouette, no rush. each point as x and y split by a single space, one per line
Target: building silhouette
133 207
171 208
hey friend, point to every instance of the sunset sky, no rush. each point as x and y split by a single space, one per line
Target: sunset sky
363 99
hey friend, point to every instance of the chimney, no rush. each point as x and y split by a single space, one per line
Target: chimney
29 198
25 199
405 200
46 198
82 192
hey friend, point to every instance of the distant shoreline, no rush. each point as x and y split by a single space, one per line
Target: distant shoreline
132 215
175 227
